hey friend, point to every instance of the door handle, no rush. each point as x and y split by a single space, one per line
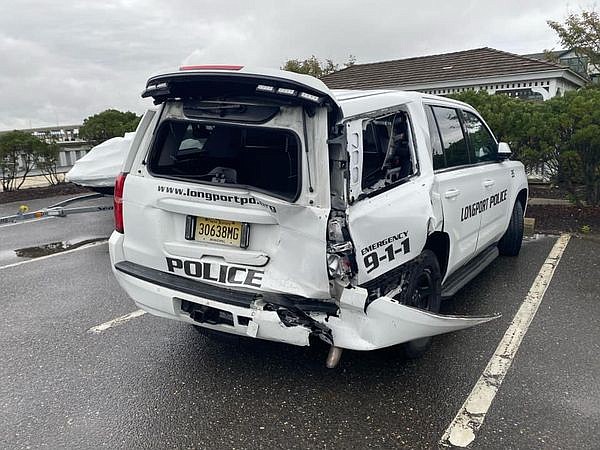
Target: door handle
489 183
451 193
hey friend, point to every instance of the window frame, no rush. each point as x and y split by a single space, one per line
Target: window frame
429 107
460 111
463 130
154 151
416 167
468 137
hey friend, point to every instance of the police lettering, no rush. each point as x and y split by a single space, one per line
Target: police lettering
482 205
498 198
474 209
220 273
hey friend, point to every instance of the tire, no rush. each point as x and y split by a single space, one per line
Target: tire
510 244
423 290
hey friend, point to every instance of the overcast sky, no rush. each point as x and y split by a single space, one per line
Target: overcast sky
61 61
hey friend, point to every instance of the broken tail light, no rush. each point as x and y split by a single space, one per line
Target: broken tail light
339 266
340 251
118 202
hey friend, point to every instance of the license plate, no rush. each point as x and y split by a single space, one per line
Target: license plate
217 231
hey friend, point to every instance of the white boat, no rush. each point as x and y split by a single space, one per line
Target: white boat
98 169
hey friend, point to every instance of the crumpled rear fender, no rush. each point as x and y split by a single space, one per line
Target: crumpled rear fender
387 322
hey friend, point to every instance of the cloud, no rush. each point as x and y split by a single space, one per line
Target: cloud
65 60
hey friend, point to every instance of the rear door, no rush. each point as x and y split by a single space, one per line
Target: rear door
233 187
388 221
458 183
495 182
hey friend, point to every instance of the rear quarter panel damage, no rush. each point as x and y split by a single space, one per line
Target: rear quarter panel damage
391 228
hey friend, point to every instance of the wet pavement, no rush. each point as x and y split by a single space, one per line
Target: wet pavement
154 383
47 235
556 374
53 247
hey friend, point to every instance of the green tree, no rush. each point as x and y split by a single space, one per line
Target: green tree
47 162
562 133
108 124
314 67
520 123
575 121
580 32
18 155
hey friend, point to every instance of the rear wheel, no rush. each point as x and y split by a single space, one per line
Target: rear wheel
510 244
422 290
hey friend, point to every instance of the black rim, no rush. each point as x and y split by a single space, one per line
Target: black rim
424 294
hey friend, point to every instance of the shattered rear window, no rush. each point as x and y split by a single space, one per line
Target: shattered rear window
264 159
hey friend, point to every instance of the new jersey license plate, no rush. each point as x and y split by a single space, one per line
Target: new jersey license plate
217 231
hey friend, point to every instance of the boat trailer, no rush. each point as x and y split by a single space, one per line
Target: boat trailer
57 210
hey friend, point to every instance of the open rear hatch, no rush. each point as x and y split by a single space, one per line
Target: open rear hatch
214 82
234 189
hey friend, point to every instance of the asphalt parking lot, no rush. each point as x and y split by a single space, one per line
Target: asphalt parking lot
153 383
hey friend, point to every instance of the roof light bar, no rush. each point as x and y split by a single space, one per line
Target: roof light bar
265 88
312 98
289 93
156 86
286 91
211 67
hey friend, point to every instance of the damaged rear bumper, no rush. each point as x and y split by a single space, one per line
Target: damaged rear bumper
386 322
285 318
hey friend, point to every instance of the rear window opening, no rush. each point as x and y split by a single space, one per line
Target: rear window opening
263 159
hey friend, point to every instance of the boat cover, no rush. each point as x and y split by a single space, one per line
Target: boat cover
102 164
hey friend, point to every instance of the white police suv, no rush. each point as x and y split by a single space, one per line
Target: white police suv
261 203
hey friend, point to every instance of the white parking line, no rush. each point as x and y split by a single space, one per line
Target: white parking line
470 417
115 322
27 261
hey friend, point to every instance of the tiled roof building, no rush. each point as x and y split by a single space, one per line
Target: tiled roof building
480 69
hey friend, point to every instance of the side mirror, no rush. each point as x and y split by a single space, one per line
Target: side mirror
503 151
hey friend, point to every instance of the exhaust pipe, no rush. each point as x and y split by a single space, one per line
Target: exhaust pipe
334 356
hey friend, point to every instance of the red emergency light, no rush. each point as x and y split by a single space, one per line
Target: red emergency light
211 67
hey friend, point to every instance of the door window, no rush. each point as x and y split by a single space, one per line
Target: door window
439 160
387 155
453 139
483 147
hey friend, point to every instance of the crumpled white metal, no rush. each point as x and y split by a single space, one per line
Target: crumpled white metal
386 322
